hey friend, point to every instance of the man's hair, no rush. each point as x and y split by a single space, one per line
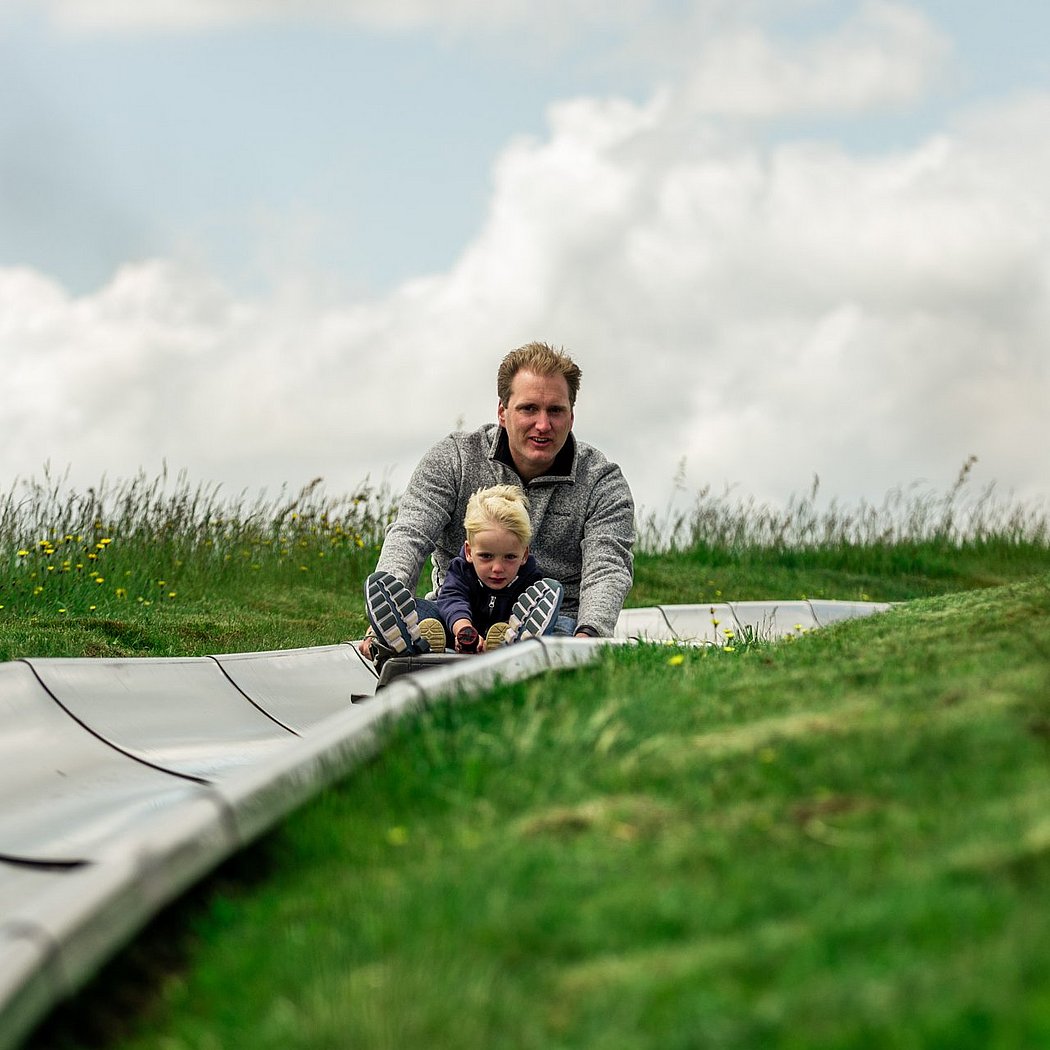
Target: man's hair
541 359
501 506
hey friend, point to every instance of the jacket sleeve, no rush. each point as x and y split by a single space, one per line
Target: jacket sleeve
423 513
453 599
608 562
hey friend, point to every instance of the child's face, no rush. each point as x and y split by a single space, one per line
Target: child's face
497 555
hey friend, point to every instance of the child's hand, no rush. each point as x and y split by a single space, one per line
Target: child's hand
468 640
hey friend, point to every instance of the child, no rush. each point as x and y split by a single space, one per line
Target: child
491 572
493 592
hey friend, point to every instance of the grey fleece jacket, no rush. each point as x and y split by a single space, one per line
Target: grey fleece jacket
582 521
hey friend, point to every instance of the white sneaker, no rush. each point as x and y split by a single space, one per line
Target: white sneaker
391 611
534 611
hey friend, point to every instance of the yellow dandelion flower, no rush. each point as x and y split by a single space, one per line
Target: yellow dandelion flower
677 660
171 594
23 553
122 592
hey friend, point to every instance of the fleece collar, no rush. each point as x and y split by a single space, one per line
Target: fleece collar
563 467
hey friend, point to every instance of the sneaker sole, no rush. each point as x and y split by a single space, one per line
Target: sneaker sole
391 612
496 635
433 632
535 610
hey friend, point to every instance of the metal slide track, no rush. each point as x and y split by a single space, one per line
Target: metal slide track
125 781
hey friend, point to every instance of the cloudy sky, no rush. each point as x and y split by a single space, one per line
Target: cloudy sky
266 241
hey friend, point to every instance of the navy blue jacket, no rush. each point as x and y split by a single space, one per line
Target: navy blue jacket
463 595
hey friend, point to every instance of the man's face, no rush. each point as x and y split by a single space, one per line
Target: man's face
537 418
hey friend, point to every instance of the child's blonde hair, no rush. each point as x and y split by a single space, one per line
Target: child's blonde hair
503 506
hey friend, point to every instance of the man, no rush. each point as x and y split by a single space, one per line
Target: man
580 505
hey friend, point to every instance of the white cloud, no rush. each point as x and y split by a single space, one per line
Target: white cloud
764 312
885 54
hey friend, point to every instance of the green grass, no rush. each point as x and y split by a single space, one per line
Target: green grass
161 567
837 841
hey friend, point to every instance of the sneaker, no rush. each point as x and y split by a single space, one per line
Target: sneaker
534 611
391 611
496 635
433 630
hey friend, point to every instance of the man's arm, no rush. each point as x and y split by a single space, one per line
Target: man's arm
607 570
423 513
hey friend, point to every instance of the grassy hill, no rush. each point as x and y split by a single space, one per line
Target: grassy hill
839 840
